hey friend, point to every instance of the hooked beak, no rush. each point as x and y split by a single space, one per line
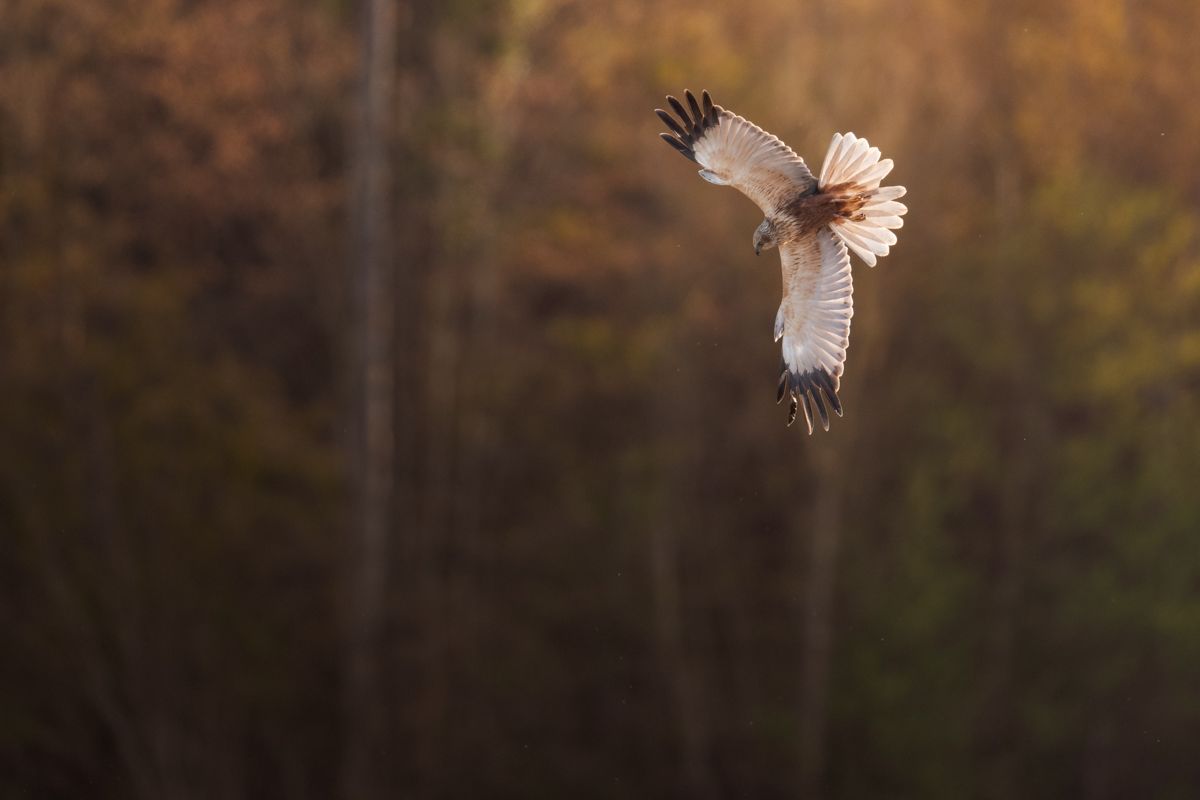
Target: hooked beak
756 249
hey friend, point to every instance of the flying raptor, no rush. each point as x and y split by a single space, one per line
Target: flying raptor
812 221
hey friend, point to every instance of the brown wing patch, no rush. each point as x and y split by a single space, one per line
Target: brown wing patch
811 211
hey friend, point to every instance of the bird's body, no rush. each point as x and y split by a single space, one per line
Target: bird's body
810 211
812 221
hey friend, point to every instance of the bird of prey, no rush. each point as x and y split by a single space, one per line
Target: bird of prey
812 221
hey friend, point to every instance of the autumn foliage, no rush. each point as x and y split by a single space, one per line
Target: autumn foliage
610 570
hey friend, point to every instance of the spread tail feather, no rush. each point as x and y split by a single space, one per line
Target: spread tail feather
852 171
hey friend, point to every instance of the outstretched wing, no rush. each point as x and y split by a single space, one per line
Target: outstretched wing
735 152
814 323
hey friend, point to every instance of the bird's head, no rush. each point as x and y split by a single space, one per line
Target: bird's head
764 237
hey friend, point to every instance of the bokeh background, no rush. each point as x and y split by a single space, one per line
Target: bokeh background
386 412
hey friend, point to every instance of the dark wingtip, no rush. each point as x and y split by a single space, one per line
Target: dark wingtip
678 145
681 111
821 412
807 387
826 382
691 125
670 122
808 415
696 113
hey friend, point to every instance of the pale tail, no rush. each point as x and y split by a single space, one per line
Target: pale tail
853 170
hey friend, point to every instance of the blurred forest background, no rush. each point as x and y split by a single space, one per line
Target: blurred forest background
386 412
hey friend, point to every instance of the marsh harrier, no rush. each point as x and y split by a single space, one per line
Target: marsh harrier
812 221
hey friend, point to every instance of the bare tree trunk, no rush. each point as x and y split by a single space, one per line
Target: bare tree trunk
692 729
681 674
823 539
1021 418
372 448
